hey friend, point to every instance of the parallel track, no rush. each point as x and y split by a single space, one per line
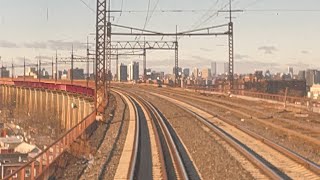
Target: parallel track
172 151
275 160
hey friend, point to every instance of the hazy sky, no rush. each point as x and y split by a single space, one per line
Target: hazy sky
263 39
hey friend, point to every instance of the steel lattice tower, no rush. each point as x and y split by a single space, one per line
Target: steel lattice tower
231 55
101 51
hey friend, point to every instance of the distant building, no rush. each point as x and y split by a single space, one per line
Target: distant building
290 71
314 92
133 71
258 75
77 73
312 77
4 73
226 68
44 74
32 72
302 75
213 69
186 72
268 75
157 75
179 71
195 72
122 76
206 73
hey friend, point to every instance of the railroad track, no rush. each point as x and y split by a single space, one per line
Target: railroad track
275 161
158 152
251 112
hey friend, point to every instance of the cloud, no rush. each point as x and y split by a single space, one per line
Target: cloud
7 44
61 45
20 60
206 49
305 52
268 49
55 45
43 57
240 57
36 45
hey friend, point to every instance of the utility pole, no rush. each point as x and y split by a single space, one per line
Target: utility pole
117 64
12 68
231 44
56 75
108 49
24 69
71 71
144 64
52 69
88 71
39 69
231 48
176 61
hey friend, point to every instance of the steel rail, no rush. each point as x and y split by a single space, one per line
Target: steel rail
256 159
136 141
181 169
315 168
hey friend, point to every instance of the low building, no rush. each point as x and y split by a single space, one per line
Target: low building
11 162
25 148
10 142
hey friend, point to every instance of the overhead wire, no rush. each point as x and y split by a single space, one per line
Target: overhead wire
120 12
87 5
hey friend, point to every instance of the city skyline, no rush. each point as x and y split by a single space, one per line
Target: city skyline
262 39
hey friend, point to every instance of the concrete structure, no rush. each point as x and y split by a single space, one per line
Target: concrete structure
213 69
4 73
122 76
133 71
52 102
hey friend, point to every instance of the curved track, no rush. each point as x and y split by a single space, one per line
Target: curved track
274 160
157 143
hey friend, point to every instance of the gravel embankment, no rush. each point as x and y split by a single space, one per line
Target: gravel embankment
99 165
297 144
210 157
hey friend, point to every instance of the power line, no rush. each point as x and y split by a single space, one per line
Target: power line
87 5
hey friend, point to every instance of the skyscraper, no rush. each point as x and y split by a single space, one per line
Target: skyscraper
213 68
133 71
195 72
290 71
122 69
